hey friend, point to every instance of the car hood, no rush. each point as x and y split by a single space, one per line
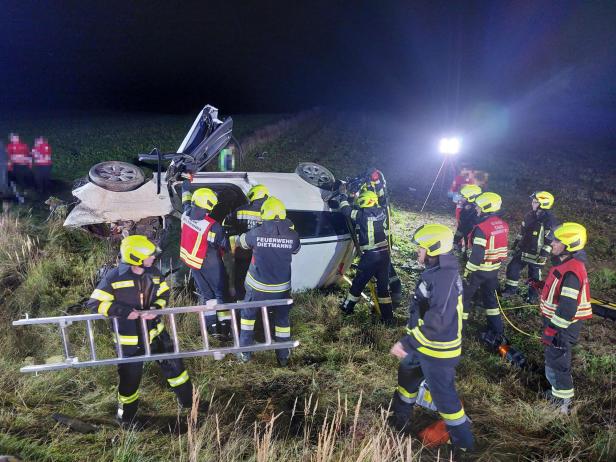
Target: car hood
97 205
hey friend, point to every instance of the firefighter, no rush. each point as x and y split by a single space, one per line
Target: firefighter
488 240
371 219
431 348
273 244
468 214
41 164
374 180
135 289
565 304
202 244
238 222
532 244
20 160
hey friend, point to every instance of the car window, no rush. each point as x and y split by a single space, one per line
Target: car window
311 224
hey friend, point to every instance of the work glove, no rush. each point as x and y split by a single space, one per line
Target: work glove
549 336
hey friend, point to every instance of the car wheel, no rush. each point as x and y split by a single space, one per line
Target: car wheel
116 176
316 175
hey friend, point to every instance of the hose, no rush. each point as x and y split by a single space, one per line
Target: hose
510 323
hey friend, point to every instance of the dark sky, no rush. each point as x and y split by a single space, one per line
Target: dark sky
458 59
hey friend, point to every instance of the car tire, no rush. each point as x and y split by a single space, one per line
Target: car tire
116 176
316 175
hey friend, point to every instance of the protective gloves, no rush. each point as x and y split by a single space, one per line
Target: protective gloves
548 336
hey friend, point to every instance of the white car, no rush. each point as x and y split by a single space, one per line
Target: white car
117 200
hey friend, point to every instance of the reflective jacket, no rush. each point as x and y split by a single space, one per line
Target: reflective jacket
244 218
203 240
490 241
371 223
18 154
41 154
122 291
273 243
435 315
565 297
535 235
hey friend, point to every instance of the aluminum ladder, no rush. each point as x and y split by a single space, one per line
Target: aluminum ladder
63 322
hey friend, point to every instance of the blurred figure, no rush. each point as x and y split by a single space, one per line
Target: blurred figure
468 215
41 164
20 160
466 176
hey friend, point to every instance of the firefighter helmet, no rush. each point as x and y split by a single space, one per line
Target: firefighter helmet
435 238
367 199
273 208
470 192
572 235
136 248
205 198
545 199
489 202
258 191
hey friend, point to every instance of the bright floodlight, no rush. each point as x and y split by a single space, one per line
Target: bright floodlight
449 145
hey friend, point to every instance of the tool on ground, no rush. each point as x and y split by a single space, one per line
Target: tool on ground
63 323
434 435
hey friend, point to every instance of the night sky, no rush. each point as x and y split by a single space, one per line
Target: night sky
552 62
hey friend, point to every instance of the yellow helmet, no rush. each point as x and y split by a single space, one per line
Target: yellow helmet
436 239
205 198
545 199
367 198
273 208
258 191
489 202
572 235
470 192
136 248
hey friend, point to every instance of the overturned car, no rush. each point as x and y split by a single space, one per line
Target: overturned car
118 200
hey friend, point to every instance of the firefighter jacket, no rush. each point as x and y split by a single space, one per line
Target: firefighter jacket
122 291
41 155
273 243
468 219
244 218
490 240
371 223
565 297
18 154
202 241
435 314
535 235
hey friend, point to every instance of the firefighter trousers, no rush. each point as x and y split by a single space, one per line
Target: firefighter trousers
515 267
440 377
372 263
42 177
279 315
241 264
130 377
487 283
558 360
210 282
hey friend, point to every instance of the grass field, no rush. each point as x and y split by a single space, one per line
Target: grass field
331 402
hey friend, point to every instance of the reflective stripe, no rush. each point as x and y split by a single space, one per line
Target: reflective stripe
344 204
242 241
465 316
161 302
569 292
223 315
123 284
156 280
378 245
244 214
128 399
457 418
103 308
370 234
384 299
211 236
547 248
282 331
164 287
471 266
130 340
415 332
406 396
179 380
185 255
352 298
247 324
492 312
186 196
270 288
440 354
512 283
354 214
480 241
156 331
102 295
563 393
560 322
